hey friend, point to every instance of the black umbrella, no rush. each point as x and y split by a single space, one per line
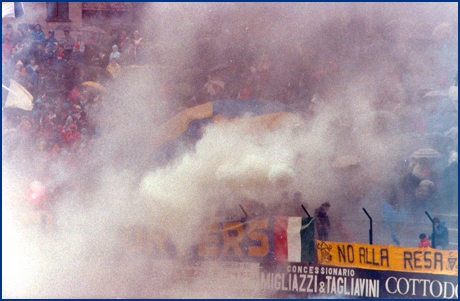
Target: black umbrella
66 27
427 153
93 29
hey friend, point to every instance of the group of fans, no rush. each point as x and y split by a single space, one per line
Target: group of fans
66 79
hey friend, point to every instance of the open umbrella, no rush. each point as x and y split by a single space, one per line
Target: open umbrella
213 87
345 161
219 67
66 27
435 95
94 85
452 133
427 153
93 29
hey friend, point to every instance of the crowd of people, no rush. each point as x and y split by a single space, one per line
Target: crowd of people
65 107
55 72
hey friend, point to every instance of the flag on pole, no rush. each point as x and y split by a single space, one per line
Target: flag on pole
12 9
18 97
294 239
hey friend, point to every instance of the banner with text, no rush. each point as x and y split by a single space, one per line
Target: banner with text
277 238
389 258
301 280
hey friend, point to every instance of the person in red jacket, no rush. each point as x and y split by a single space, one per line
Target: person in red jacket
424 242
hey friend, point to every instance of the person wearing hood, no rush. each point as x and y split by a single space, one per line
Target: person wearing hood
51 39
31 80
38 36
47 57
115 53
38 39
441 234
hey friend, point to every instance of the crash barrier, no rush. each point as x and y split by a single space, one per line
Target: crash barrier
388 258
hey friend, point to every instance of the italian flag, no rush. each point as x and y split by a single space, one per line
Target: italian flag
294 239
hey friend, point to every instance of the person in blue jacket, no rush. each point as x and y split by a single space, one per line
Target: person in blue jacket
441 234
38 36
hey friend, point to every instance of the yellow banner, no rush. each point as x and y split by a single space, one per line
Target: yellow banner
388 258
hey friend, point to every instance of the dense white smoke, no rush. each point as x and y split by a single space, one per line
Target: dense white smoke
120 186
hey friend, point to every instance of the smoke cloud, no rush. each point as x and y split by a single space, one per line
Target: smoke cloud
120 184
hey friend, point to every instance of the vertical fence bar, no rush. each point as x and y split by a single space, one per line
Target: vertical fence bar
433 236
370 229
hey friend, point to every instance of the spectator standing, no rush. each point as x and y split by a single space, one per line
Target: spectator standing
322 222
441 234
47 57
114 68
114 38
55 50
51 39
81 42
77 55
19 52
68 42
138 46
124 40
449 183
115 53
20 73
297 203
38 39
279 208
38 36
7 47
424 242
24 33
9 31
34 65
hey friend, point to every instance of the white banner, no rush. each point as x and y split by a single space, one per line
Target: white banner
8 10
18 97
